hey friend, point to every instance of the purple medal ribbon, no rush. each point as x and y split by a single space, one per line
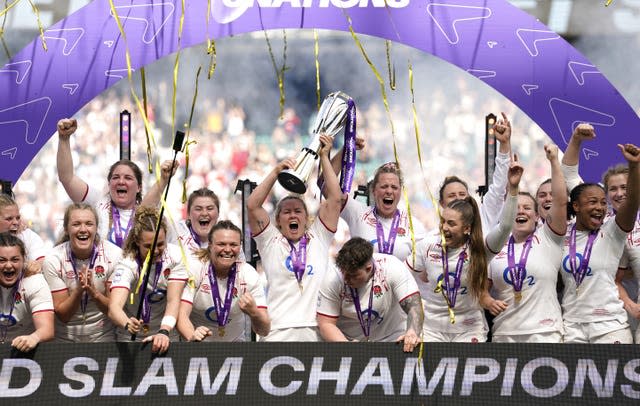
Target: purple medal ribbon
386 247
222 310
118 234
364 325
452 294
518 272
194 235
146 307
299 258
72 258
579 272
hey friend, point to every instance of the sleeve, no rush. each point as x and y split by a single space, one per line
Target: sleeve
178 268
52 271
403 283
38 294
493 201
93 195
352 211
266 235
123 274
497 237
550 235
633 253
329 295
571 176
190 289
36 247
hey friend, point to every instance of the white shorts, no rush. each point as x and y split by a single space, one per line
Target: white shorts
598 332
466 337
306 334
545 337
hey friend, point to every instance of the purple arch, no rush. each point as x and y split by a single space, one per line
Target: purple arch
490 39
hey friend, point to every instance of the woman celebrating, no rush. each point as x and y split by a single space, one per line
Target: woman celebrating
78 270
592 309
116 210
525 273
224 290
203 208
26 307
160 297
454 274
10 221
294 251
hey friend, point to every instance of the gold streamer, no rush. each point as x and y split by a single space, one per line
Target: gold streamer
607 3
176 68
211 46
143 82
187 143
316 53
279 72
4 22
40 27
440 289
391 70
9 7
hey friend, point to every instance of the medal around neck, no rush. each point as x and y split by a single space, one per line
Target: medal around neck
330 120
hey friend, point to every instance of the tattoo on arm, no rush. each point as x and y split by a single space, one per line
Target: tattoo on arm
261 225
415 316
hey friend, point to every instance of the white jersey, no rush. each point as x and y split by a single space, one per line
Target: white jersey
102 204
58 270
632 252
179 233
33 244
390 285
362 223
125 276
291 305
19 305
203 311
597 298
469 315
538 311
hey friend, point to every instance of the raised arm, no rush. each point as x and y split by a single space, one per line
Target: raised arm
493 201
497 237
626 215
571 158
153 196
557 217
329 211
258 216
75 187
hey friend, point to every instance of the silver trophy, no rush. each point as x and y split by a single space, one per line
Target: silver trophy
330 120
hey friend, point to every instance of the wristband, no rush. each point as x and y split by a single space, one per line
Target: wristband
164 331
168 321
126 326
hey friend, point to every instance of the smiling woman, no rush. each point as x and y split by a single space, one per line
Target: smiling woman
78 270
26 312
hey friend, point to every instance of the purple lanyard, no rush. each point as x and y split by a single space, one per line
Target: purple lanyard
118 234
452 294
194 235
8 320
579 272
72 258
386 247
146 307
299 258
518 272
364 325
222 310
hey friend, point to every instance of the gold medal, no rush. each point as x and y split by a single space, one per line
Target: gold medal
145 329
221 331
517 296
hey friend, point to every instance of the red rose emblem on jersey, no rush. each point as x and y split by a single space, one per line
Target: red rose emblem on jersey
377 291
99 271
401 231
18 298
166 273
235 292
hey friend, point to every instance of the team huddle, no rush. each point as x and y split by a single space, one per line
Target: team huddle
552 267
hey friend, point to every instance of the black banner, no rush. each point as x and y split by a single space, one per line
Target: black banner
321 373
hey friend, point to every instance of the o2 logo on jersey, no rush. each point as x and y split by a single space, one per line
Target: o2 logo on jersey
157 295
212 316
567 268
373 315
530 280
287 264
452 277
7 320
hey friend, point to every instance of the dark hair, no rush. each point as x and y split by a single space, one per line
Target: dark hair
548 180
9 240
203 192
575 196
6 201
470 214
136 172
447 181
619 169
203 253
146 219
67 217
354 254
535 202
389 167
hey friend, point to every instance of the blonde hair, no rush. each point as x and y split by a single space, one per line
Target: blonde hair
146 219
67 217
